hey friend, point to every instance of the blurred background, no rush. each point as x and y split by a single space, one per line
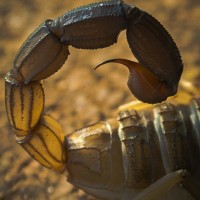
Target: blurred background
76 95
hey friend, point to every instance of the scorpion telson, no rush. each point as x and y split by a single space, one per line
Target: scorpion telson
148 152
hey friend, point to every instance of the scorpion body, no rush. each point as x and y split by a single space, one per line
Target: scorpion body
145 154
118 159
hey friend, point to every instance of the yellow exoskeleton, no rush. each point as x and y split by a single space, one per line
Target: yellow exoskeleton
147 152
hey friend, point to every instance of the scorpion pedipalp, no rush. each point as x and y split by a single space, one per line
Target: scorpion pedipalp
145 85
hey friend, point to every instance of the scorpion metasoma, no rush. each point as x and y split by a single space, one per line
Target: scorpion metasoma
148 152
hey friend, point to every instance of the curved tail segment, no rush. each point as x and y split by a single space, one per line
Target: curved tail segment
160 66
97 26
92 26
143 84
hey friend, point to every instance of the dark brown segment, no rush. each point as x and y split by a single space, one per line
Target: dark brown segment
93 26
143 84
40 56
154 47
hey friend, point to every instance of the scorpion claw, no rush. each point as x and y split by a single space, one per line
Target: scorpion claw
143 84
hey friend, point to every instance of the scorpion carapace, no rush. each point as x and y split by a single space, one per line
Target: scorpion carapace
85 28
144 154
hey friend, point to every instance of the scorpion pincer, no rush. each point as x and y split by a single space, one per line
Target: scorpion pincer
113 159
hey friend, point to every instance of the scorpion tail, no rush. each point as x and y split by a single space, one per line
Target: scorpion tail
154 48
143 84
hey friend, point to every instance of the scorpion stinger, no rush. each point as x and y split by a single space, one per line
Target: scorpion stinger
140 79
156 51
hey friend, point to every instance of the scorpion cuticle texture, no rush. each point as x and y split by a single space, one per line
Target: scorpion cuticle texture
147 151
150 43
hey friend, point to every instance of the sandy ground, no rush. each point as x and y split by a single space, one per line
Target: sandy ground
76 95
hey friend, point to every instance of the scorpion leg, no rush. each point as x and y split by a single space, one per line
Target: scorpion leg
192 185
162 186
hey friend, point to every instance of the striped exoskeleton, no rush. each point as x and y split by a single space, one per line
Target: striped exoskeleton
97 26
135 156
148 152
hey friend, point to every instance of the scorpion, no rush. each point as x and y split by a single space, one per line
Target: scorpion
148 152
